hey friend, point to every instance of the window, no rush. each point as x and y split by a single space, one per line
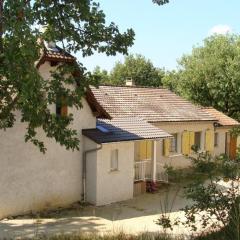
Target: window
53 63
215 139
197 140
173 143
61 107
58 108
114 160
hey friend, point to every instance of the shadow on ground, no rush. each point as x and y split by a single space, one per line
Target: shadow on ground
143 209
30 228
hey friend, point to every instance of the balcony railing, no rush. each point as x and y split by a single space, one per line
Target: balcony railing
143 171
161 174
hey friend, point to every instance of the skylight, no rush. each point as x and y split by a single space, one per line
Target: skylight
102 129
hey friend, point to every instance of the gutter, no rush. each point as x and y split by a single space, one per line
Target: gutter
84 169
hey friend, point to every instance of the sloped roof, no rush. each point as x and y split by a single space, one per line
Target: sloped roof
55 53
123 129
223 119
151 104
58 54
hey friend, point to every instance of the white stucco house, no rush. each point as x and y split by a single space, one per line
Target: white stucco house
127 135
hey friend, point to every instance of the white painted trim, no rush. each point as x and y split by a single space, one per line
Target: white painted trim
154 165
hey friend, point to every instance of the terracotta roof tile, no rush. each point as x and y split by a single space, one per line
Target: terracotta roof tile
55 54
124 129
223 119
151 104
58 54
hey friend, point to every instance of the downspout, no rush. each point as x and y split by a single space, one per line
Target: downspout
84 169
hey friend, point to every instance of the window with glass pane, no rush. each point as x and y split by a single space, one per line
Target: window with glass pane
61 107
114 160
197 140
215 139
173 143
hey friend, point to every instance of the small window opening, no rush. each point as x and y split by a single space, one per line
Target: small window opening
215 139
197 140
173 143
61 107
114 160
53 63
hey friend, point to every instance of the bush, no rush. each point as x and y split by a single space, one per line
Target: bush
120 236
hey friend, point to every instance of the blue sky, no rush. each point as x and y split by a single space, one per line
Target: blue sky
165 33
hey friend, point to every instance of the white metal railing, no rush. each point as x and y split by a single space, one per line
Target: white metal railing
161 174
143 170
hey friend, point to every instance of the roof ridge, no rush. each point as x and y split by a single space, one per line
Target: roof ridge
209 107
135 86
153 105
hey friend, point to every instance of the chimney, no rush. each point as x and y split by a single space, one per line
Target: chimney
130 82
51 44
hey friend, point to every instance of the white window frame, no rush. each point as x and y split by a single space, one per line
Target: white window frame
200 138
175 139
114 160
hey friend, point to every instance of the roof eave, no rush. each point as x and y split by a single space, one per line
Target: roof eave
44 58
96 106
228 126
182 121
127 140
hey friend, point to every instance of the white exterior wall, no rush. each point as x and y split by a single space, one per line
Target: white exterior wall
91 171
221 147
32 181
114 186
178 160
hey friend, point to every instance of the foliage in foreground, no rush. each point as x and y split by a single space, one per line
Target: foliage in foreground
214 208
78 26
120 236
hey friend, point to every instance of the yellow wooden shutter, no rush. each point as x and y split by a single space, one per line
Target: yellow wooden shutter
143 150
191 140
185 143
233 147
64 107
166 146
209 140
149 149
238 141
64 111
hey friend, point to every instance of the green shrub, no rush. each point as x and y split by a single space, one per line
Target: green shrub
120 236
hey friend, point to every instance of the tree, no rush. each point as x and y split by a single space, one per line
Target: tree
171 80
210 74
214 207
102 76
139 69
76 26
214 193
160 2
